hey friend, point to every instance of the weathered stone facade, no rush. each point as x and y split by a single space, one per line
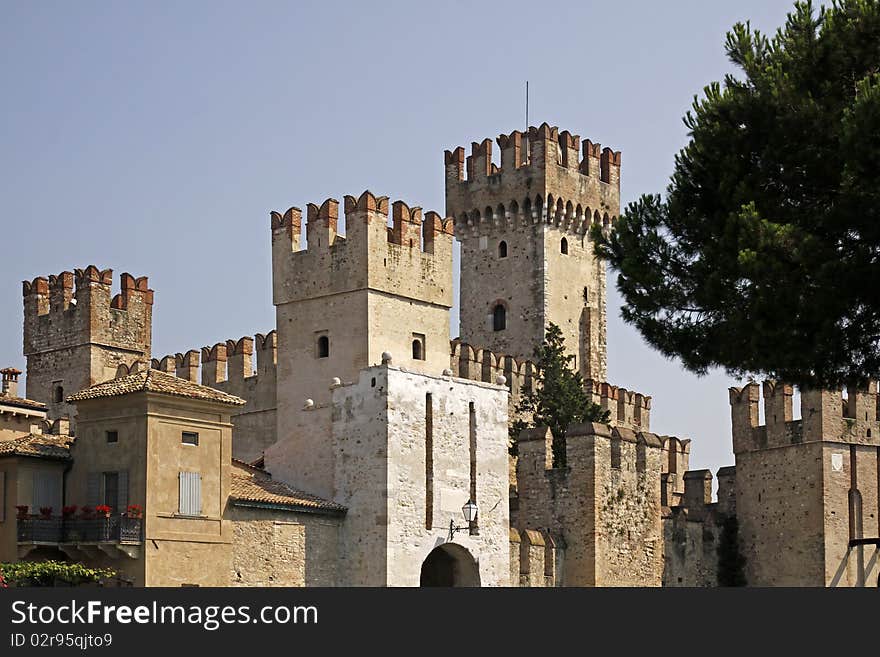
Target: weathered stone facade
605 504
525 248
342 302
75 338
806 488
272 547
359 397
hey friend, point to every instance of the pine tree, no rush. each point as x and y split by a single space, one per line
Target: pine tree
558 398
763 256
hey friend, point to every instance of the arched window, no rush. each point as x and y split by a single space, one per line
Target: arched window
563 247
59 394
499 318
417 350
323 346
502 249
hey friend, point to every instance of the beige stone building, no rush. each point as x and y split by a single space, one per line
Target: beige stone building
355 444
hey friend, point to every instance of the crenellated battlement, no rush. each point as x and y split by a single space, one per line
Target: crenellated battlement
78 333
675 461
627 408
412 256
76 308
825 416
570 184
604 502
485 365
229 361
534 151
229 366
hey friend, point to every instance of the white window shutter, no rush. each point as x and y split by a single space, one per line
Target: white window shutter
190 493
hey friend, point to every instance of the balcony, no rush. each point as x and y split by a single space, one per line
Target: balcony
111 535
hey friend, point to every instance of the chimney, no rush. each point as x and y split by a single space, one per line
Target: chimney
10 381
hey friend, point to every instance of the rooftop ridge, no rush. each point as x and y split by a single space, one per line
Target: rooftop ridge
155 381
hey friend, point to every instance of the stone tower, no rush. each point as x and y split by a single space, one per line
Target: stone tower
807 490
344 301
604 507
526 257
74 338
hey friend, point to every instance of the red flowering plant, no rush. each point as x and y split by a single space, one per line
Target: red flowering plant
103 510
69 511
22 512
45 512
134 511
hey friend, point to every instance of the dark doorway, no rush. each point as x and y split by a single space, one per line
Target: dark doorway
450 565
438 569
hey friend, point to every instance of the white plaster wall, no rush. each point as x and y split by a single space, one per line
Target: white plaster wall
379 431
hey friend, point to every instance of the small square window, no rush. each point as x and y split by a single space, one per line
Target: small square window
190 438
112 436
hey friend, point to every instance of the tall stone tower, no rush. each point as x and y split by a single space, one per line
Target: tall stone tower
807 490
526 257
76 338
340 304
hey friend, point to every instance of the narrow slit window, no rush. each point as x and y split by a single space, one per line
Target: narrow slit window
499 318
323 347
563 247
502 249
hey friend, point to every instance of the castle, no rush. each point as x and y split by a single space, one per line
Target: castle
356 443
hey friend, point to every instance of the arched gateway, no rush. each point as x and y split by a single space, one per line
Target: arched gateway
450 565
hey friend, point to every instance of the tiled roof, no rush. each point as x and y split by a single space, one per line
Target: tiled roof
42 445
20 402
155 381
256 487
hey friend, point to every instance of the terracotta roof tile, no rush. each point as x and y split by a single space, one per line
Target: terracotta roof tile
42 445
249 486
20 402
155 381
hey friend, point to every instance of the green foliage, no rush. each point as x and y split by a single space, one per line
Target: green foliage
730 560
764 254
558 398
50 573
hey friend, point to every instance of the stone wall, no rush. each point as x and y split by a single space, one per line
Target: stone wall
696 530
805 487
282 548
403 488
605 504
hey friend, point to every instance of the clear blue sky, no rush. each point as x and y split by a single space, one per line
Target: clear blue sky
156 137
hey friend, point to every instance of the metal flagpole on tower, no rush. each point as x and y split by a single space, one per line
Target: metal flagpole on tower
527 105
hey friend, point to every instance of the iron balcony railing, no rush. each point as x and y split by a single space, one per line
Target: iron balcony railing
115 529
